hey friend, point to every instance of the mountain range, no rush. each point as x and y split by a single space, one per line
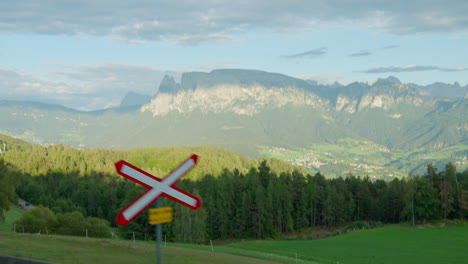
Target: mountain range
385 129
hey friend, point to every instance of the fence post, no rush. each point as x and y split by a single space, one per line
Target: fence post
23 228
14 228
211 242
86 232
133 237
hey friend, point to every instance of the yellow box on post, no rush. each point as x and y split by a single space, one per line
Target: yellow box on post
160 215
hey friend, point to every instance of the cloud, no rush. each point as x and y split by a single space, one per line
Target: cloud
410 68
18 85
191 22
130 41
195 39
360 54
86 87
391 47
364 53
457 69
310 54
446 20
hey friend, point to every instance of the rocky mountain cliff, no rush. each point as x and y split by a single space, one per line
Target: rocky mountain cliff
247 92
384 93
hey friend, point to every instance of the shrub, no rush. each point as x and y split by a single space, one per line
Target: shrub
38 219
98 227
72 224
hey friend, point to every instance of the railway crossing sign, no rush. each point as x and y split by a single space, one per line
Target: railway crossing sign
156 188
160 215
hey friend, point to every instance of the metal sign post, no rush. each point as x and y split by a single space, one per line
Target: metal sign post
158 230
156 188
157 217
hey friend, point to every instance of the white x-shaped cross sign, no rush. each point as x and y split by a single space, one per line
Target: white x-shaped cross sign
156 188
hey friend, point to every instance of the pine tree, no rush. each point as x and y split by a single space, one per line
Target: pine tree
446 196
426 204
298 185
432 174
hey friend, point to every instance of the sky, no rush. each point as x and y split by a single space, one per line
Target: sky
88 54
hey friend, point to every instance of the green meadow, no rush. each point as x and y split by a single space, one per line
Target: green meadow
390 244
384 245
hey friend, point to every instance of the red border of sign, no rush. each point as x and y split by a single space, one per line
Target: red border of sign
118 166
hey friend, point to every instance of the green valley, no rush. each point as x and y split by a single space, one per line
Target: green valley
360 157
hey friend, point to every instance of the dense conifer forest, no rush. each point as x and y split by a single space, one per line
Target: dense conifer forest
240 198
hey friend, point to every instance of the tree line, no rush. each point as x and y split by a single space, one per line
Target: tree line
259 203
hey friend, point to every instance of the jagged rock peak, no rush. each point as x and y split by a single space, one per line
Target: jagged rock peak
336 84
168 85
384 93
391 80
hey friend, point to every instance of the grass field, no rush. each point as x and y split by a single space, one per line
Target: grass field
391 244
62 249
384 245
81 250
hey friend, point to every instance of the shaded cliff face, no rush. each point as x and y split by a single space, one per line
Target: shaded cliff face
240 78
439 90
135 99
